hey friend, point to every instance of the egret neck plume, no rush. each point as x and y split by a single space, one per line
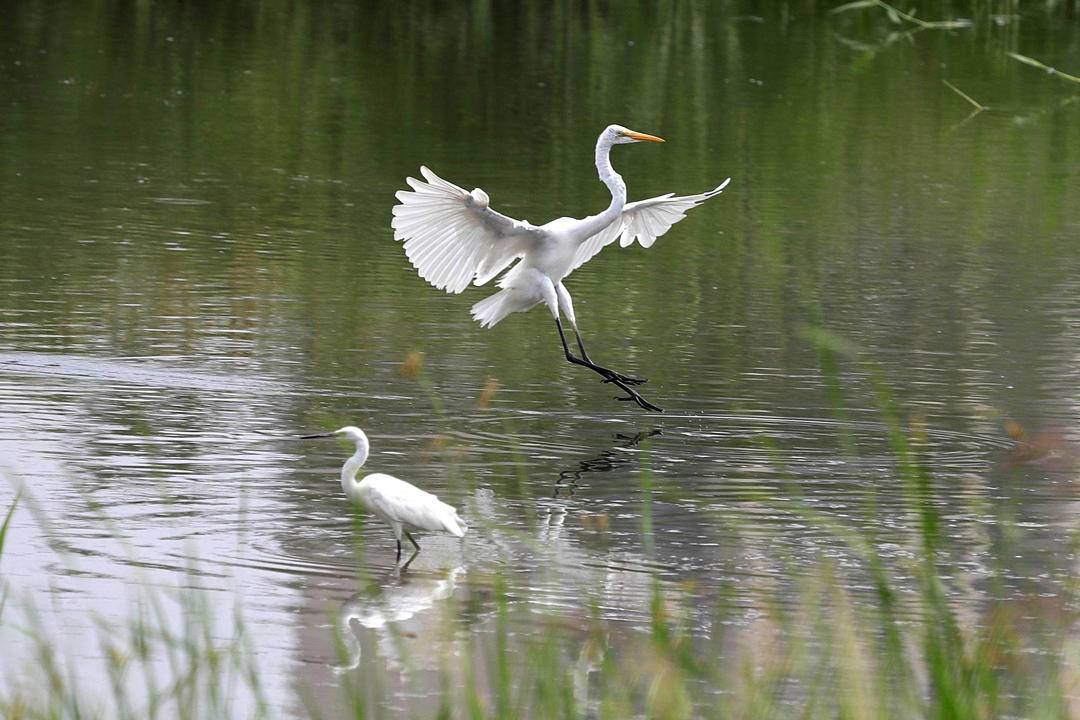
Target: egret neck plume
454 238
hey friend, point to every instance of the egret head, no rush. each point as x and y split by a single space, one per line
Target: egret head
355 434
619 135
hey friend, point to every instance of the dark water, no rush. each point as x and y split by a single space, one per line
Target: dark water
196 264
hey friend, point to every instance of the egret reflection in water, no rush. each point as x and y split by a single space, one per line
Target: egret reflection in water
398 601
606 461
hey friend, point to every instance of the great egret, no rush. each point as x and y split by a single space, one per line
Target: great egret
400 504
453 237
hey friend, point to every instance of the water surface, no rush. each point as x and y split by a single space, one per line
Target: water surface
196 266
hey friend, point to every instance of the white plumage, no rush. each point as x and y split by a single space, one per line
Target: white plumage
401 505
454 237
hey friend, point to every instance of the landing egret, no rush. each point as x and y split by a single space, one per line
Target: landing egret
453 237
400 504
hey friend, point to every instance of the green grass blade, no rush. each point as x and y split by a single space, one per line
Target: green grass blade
978 106
1042 66
7 522
856 5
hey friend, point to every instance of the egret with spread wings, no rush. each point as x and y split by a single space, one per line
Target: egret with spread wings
454 238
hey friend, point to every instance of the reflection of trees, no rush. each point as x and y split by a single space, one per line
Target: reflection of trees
291 126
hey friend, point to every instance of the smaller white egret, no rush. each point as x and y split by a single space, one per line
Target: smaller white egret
400 504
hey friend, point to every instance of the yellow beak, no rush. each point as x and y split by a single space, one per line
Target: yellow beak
643 136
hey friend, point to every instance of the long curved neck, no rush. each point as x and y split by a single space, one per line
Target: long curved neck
595 223
352 466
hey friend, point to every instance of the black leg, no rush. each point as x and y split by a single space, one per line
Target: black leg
611 374
409 561
608 375
398 549
412 540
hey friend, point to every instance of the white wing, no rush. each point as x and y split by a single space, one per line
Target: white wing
452 237
644 221
403 502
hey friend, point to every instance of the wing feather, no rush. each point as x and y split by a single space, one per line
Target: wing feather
644 221
402 502
452 237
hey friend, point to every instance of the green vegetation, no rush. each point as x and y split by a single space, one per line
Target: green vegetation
3 534
908 648
899 16
1035 63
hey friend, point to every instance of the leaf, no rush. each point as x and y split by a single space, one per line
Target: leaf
893 15
856 5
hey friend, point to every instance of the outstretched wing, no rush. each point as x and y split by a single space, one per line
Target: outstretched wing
451 235
644 221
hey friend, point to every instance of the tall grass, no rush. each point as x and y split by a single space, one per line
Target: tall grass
3 535
812 649
166 661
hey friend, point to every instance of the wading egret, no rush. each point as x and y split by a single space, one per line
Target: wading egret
453 237
401 505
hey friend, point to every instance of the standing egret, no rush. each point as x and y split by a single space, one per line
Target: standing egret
400 504
453 237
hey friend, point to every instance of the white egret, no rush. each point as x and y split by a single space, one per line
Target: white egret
400 504
453 237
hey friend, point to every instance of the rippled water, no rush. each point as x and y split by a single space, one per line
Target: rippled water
196 267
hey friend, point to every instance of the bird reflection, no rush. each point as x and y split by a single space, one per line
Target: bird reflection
553 512
608 460
400 599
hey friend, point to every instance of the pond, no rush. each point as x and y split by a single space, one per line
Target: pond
197 267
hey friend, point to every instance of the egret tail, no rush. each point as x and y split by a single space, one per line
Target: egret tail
494 308
455 526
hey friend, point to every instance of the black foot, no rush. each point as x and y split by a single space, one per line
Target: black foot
623 382
642 402
608 374
613 376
